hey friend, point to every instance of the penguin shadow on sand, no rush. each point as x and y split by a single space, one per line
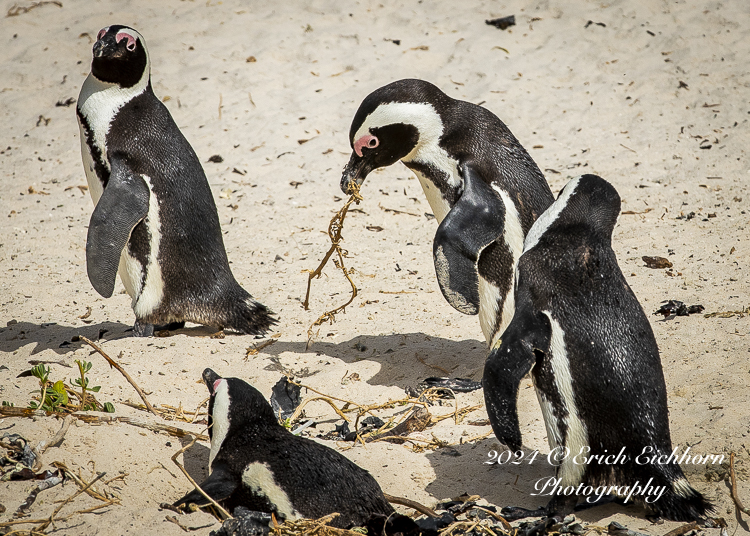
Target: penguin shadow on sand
56 337
406 359
195 460
464 469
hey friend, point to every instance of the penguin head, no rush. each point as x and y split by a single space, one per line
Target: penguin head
234 403
399 121
588 201
120 57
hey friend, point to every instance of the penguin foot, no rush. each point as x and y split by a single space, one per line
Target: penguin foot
142 329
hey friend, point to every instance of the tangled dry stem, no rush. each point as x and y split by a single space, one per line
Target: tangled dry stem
334 233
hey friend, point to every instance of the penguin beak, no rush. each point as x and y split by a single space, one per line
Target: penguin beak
210 378
104 47
356 171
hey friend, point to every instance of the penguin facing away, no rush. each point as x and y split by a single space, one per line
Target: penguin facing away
257 463
154 222
482 186
593 358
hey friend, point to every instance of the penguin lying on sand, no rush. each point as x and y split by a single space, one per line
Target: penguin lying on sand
257 463
482 185
155 221
593 358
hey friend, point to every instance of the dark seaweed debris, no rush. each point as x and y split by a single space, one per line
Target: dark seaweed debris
656 262
285 397
678 308
503 23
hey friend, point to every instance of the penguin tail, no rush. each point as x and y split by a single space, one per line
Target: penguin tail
681 502
246 315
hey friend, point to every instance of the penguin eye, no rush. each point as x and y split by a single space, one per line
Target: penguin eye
101 33
129 40
367 141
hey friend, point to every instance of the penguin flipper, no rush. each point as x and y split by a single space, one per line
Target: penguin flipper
474 222
219 486
123 204
526 340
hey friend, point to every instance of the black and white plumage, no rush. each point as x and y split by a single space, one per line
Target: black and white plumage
593 357
257 463
155 221
482 186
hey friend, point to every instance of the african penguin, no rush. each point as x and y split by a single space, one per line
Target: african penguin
593 358
154 221
257 463
482 185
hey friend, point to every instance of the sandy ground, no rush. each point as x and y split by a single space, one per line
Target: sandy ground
656 99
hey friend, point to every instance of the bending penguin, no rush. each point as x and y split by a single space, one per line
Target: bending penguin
154 221
593 358
482 186
257 463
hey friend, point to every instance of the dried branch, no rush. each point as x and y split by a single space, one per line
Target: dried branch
44 445
6 411
194 483
334 233
122 371
735 497
422 509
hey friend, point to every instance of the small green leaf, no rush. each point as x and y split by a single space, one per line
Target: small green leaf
109 407
59 388
95 389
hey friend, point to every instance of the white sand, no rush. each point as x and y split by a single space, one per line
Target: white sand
594 99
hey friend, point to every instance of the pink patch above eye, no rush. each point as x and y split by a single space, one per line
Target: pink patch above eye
130 40
101 33
368 140
217 383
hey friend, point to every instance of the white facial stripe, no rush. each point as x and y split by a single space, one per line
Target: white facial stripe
259 478
420 114
577 437
150 296
549 216
430 127
220 419
99 102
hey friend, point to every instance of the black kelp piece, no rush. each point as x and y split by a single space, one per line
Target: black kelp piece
678 308
21 451
245 523
457 385
285 397
436 523
367 425
502 23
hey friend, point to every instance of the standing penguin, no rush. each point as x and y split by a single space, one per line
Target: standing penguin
482 186
257 463
154 221
593 358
